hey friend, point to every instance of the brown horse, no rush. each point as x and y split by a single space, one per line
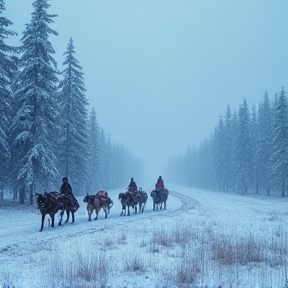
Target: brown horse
95 202
52 202
159 198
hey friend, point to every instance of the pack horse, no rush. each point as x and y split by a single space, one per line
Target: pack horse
52 202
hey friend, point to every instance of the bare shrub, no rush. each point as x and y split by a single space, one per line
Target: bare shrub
133 262
6 280
184 233
154 248
187 269
107 242
162 237
278 248
168 277
230 250
90 270
122 239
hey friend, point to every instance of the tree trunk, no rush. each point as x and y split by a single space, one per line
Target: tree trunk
22 195
31 194
1 196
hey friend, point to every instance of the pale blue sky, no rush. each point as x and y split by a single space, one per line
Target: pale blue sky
159 72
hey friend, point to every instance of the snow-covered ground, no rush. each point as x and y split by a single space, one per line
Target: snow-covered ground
204 238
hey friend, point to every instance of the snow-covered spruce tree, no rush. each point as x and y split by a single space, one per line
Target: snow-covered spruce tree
7 68
234 146
188 167
263 146
94 181
243 156
279 163
105 160
205 164
228 142
73 136
34 125
254 136
218 156
120 158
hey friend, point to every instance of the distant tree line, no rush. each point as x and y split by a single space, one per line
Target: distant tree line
46 131
246 153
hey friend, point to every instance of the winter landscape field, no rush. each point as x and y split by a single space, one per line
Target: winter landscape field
203 239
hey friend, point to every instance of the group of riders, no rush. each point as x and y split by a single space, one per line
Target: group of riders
132 189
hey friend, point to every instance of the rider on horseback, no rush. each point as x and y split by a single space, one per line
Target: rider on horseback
159 185
132 188
67 189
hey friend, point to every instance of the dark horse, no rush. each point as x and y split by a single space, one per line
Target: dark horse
141 198
52 202
159 198
131 199
126 201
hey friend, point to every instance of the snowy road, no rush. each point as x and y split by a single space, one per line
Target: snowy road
19 227
27 254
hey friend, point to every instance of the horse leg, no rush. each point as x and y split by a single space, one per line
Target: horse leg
144 206
68 214
61 215
90 211
97 212
123 210
106 211
52 219
42 223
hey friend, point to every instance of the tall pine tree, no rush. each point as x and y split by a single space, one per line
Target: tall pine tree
73 146
243 163
34 124
279 166
263 146
94 183
6 75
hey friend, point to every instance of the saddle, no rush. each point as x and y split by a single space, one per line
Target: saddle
65 201
102 194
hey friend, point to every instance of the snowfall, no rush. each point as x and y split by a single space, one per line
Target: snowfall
203 239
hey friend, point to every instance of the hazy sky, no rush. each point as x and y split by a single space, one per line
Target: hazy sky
159 73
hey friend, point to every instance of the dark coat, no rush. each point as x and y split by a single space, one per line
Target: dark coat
132 186
66 188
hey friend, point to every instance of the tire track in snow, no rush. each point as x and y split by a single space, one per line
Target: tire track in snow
82 227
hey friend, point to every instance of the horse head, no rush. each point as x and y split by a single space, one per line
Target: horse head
122 196
42 200
85 199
